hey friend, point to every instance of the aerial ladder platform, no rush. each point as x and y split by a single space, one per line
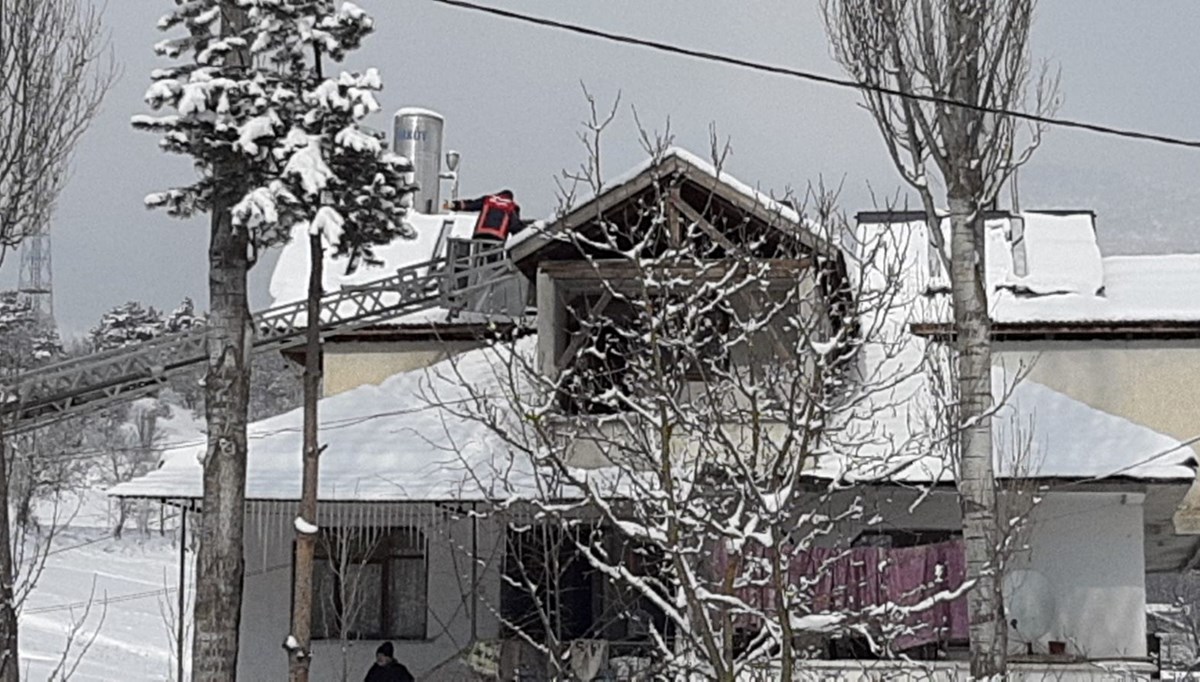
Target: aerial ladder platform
473 276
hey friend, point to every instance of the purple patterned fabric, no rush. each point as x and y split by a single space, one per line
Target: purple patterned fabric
900 592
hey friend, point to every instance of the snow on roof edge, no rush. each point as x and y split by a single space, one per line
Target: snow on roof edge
767 201
368 462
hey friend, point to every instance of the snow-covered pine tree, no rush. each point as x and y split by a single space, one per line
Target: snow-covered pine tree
334 174
26 338
127 324
214 90
131 323
276 144
184 318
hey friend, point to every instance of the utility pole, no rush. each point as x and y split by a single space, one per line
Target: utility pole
9 663
300 647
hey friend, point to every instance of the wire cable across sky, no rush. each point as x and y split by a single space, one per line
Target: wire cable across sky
820 78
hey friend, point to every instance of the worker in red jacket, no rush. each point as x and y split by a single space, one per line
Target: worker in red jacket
499 215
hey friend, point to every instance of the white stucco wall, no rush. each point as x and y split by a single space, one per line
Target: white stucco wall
266 607
349 365
1089 548
1087 545
1152 383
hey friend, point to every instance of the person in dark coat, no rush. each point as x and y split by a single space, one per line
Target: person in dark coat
387 668
499 215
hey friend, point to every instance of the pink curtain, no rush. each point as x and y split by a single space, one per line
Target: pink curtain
904 582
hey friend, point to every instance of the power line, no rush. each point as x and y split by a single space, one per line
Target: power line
345 422
79 545
75 606
331 425
1152 458
819 77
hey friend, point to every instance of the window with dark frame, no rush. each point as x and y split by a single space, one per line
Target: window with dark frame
701 344
614 338
544 572
370 583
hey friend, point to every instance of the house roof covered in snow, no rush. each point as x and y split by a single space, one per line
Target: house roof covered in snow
1157 289
404 441
712 186
390 442
289 279
1040 433
1045 271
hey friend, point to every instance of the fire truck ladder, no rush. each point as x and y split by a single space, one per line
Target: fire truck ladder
473 272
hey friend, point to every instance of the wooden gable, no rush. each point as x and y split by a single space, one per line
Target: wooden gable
658 205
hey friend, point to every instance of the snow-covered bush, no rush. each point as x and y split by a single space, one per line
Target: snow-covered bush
127 324
131 323
183 318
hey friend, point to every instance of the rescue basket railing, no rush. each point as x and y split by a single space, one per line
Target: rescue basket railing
95 381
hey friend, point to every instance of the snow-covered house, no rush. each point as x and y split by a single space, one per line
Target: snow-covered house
403 467
1111 471
409 505
1118 333
371 354
394 469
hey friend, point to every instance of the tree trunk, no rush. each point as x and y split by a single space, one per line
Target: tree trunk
219 565
299 654
219 561
976 478
119 525
9 650
973 339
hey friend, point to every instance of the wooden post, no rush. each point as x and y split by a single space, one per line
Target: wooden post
474 572
182 596
299 650
9 649
299 644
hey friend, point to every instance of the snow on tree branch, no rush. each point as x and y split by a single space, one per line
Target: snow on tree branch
292 137
712 409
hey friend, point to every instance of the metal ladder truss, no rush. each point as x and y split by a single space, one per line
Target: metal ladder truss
95 381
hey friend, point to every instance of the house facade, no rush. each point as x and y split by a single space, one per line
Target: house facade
427 580
414 552
1118 333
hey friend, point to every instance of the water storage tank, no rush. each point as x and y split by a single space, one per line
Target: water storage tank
418 136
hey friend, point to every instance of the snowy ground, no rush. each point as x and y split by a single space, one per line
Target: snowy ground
135 582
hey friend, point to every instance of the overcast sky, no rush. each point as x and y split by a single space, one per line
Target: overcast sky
511 96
